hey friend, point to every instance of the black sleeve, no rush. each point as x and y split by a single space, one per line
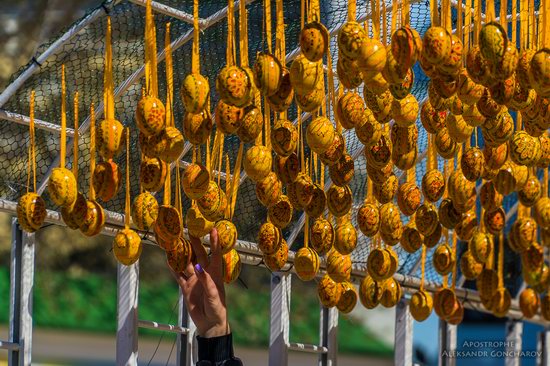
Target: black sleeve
217 351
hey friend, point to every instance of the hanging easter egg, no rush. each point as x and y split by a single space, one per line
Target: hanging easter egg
503 91
426 219
257 162
74 214
62 187
544 159
109 139
380 176
311 101
345 238
213 204
287 168
304 189
378 264
269 238
371 57
495 220
444 144
329 292
267 73
338 266
469 267
467 225
233 86
368 219
540 72
433 185
431 119
197 126
493 41
269 189
349 77
461 190
280 213
404 139
31 212
495 157
436 45
404 161
379 104
443 259
231 266
368 130
370 292
541 212
282 99
530 192
472 163
320 134
321 236
306 263
391 293
403 46
314 40
348 299
403 89
152 174
94 220
342 172
335 152
195 180
449 217
487 106
529 302
501 302
305 75
408 198
277 260
524 149
171 144
195 92
150 119
127 246
251 124
458 129
379 154
197 225
284 137
227 235
228 117
386 190
350 39
411 240
468 90
421 305
350 109
433 239
452 64
318 202
375 84
394 72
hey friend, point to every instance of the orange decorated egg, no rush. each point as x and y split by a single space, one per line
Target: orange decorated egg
345 238
127 246
318 202
449 217
495 157
404 139
195 92
452 64
109 139
530 192
368 129
350 39
469 267
540 72
403 89
227 235
375 84
469 91
62 187
403 46
461 191
372 56
348 73
544 159
106 180
338 266
436 45
408 198
251 124
267 73
342 172
197 225
335 152
306 263
231 266
282 99
529 302
458 129
280 213
370 292
150 119
379 104
433 185
269 238
444 144
269 189
421 305
284 137
405 111
287 168
391 293
350 109
348 299
213 203
379 177
197 126
541 212
321 235
305 75
311 101
31 212
329 292
390 220
443 259
233 85
368 219
411 240
228 117
257 162
195 180
466 226
480 246
426 219
152 174
314 41
501 302
472 163
277 260
431 119
379 154
524 149
320 134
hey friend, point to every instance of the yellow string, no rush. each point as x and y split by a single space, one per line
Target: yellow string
532 23
546 185
453 280
178 193
75 138
546 24
489 11
406 19
523 18
267 15
109 89
220 159
127 201
32 153
423 268
352 10
331 89
151 46
91 190
477 20
236 177
394 8
169 78
503 13
501 260
514 24
460 22
384 24
434 13
467 26
375 9
243 34
63 119
230 52
195 60
306 232
227 186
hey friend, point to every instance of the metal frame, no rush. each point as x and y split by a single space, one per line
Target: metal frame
447 343
403 345
514 333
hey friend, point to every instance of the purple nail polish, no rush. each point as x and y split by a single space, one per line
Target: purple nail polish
198 268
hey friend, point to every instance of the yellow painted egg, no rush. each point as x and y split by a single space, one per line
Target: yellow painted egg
349 77
368 219
277 260
469 267
380 176
487 282
493 41
394 72
213 205
524 232
541 212
94 220
231 266
523 70
469 91
195 180
195 92
391 238
433 185
321 235
314 40
306 263
443 259
480 246
287 168
269 238
282 99
501 302
372 56
472 116
318 202
379 154
251 124
431 119
304 189
197 225
350 39
404 139
436 45
506 67
368 130
495 220
447 303
370 292
350 109
329 292
338 266
305 75
426 219
503 91
376 84
227 235
320 134
458 129
171 144
404 161
524 149
379 104
449 217
179 257
391 293
348 299
109 139
267 73
403 46
342 172
445 89
476 65
433 239
421 305
495 157
163 243
408 198
127 246
31 212
532 254
345 238
284 137
461 190
335 152
466 226
390 220
529 303
487 106
498 130
505 183
257 162
452 64
403 89
197 126
472 163
311 101
269 189
75 214
411 240
233 86
544 159
150 118
292 194
228 117
280 213
540 72
444 144
62 187
152 174
458 315
530 192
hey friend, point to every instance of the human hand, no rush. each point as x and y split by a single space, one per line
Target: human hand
203 289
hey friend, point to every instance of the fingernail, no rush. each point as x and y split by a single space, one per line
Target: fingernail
198 268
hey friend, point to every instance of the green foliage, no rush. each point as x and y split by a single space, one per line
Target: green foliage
88 302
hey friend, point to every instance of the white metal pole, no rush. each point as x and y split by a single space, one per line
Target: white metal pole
280 319
21 294
403 334
329 336
543 347
514 332
185 356
127 315
447 344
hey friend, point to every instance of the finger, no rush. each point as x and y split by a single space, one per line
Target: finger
210 288
215 249
200 252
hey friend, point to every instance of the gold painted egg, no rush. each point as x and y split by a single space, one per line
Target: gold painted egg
372 56
524 149
379 154
284 137
469 267
269 189
404 139
311 101
405 161
287 168
465 228
501 302
498 130
197 225
213 206
532 254
541 212
127 246
380 176
530 192
370 292
74 214
495 220
433 239
391 293
257 162
368 219
449 217
233 86
493 41
329 292
171 144
408 198
390 220
472 116
379 104
505 183
405 111
505 68
350 39
318 202
443 259
433 185
314 40
444 144
540 72
251 124
403 46
461 190
197 126
379 264
109 139
469 91
495 157
335 152
227 235
31 212
524 232
320 134
368 130
394 72
376 84
304 189
305 75
62 187
480 246
231 266
350 109
426 219
280 213
452 64
544 159
392 238
277 260
458 129
421 305
403 89
444 89
503 91
152 174
487 283
195 92
150 119
487 106
348 299
282 99
292 194
321 235
228 117
107 179
195 180
345 238
411 240
431 119
338 266
472 163
436 45
306 263
529 303
458 315
342 172
94 221
269 238
349 77
267 73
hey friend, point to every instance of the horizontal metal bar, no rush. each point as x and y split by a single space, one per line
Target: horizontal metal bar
39 124
168 10
161 326
309 348
10 346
